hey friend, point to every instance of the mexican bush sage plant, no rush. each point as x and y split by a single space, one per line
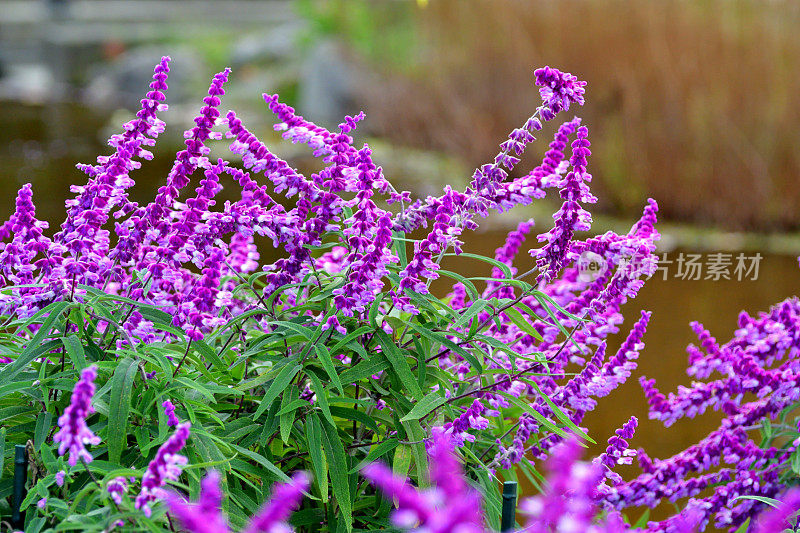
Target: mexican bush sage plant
757 389
336 355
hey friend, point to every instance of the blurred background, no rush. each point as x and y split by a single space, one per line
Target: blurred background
693 103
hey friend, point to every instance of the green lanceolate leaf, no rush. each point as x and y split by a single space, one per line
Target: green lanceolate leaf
425 406
2 449
326 360
288 412
400 247
376 453
772 502
318 463
522 323
417 435
365 369
281 381
337 462
322 397
399 364
308 333
43 425
402 461
120 404
260 459
74 349
444 341
475 308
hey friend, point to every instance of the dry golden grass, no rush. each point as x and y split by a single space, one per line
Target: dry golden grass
695 103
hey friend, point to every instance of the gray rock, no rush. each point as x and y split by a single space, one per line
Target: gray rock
327 85
274 45
123 82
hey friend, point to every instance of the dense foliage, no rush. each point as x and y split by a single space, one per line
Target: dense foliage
181 355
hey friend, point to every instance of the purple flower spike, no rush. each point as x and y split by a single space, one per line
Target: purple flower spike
166 466
568 504
559 89
285 498
451 506
74 433
116 488
572 216
60 478
205 516
617 452
777 520
169 410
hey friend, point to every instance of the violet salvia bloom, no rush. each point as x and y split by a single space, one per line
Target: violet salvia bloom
28 251
619 367
568 505
285 498
459 429
559 89
571 217
617 452
548 173
777 520
116 488
632 257
41 504
60 478
489 188
428 252
151 221
82 233
205 516
369 237
169 410
759 379
167 465
452 505
74 434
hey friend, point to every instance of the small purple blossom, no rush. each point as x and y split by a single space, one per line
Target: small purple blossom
60 478
74 434
169 410
571 217
285 498
559 89
618 452
116 488
205 516
450 505
41 504
777 519
167 465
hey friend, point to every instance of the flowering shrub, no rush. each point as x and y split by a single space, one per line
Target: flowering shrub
568 504
334 357
757 389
